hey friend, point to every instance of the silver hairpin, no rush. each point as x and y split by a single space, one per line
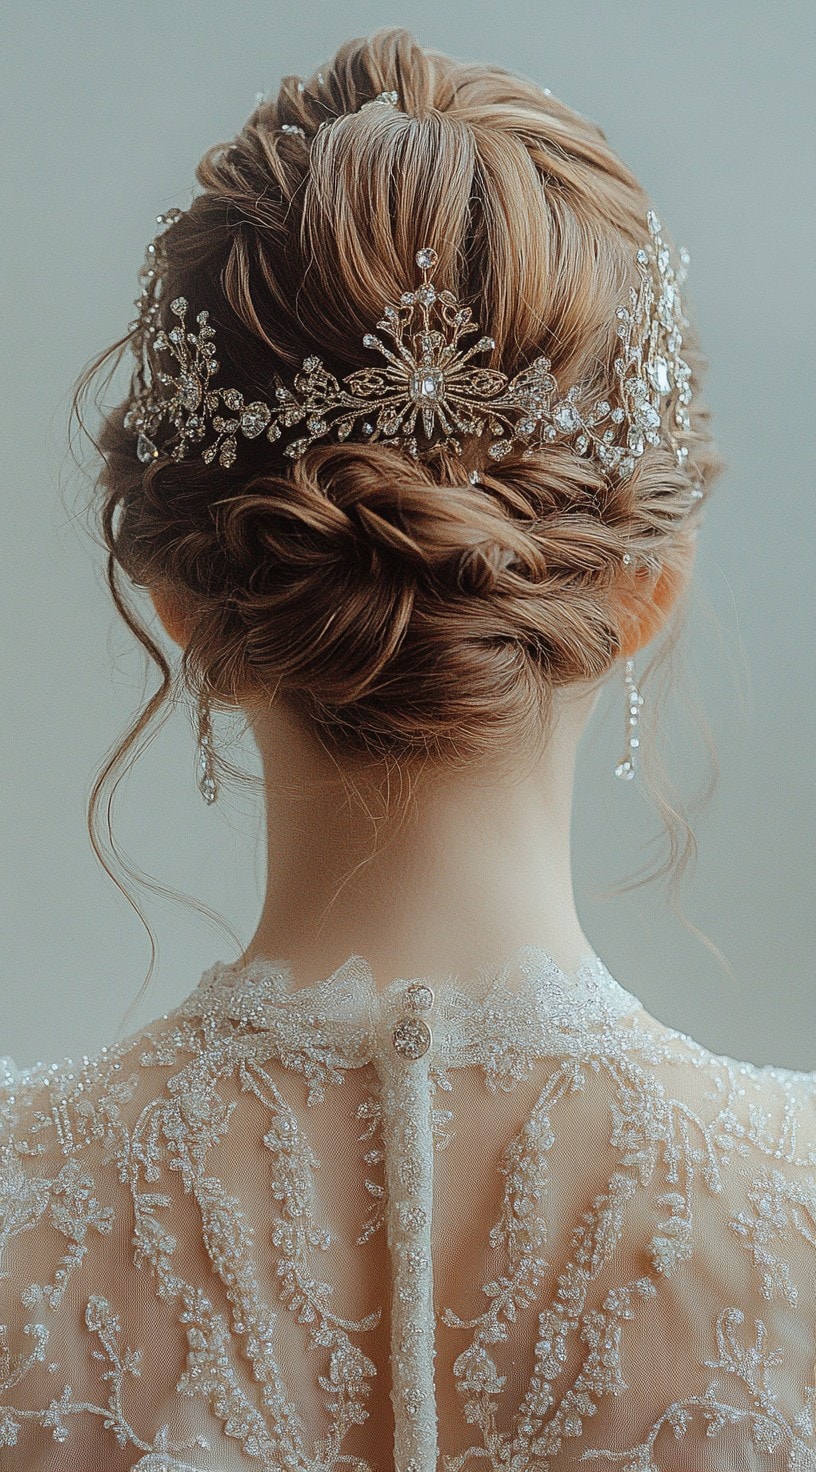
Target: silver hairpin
427 394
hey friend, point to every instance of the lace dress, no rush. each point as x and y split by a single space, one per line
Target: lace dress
510 1225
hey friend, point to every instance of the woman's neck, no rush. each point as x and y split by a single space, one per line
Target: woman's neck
478 864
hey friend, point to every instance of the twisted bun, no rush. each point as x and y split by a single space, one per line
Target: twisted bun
399 605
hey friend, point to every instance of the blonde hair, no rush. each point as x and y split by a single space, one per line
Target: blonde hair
400 608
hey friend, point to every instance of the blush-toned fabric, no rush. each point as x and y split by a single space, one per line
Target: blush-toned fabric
506 1224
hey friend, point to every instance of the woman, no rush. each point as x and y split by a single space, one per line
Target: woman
412 461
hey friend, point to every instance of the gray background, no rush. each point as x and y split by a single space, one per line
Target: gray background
108 108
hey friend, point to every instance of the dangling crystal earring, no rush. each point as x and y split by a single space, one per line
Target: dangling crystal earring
205 760
634 700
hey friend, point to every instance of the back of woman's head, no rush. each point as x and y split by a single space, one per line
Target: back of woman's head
402 605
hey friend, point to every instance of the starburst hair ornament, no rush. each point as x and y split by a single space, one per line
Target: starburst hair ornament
428 392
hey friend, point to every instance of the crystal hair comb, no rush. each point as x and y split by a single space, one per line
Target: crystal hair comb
428 392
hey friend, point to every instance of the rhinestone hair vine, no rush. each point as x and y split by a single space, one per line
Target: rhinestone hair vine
427 392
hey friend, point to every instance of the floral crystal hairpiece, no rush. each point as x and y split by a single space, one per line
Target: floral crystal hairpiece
428 392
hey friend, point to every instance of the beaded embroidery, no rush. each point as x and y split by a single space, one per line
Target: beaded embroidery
708 1181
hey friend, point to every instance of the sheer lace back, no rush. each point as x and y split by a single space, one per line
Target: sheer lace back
511 1222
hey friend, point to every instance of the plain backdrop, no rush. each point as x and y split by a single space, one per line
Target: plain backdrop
107 109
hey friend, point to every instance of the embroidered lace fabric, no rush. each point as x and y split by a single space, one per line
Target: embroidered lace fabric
506 1225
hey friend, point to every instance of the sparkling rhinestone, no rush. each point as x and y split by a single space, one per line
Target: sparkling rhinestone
426 384
411 1037
255 418
311 363
648 416
145 450
625 769
426 258
566 417
208 789
179 305
658 372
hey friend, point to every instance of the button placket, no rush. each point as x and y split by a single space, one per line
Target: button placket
404 1064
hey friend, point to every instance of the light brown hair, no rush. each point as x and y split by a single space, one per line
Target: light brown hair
402 609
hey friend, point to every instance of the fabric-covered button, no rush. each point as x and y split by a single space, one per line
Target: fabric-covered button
411 1037
420 998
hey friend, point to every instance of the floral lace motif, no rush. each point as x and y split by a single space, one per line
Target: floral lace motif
707 1172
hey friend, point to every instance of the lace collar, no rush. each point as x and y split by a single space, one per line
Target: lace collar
501 1016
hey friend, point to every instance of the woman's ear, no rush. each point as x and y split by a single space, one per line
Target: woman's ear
169 609
643 617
